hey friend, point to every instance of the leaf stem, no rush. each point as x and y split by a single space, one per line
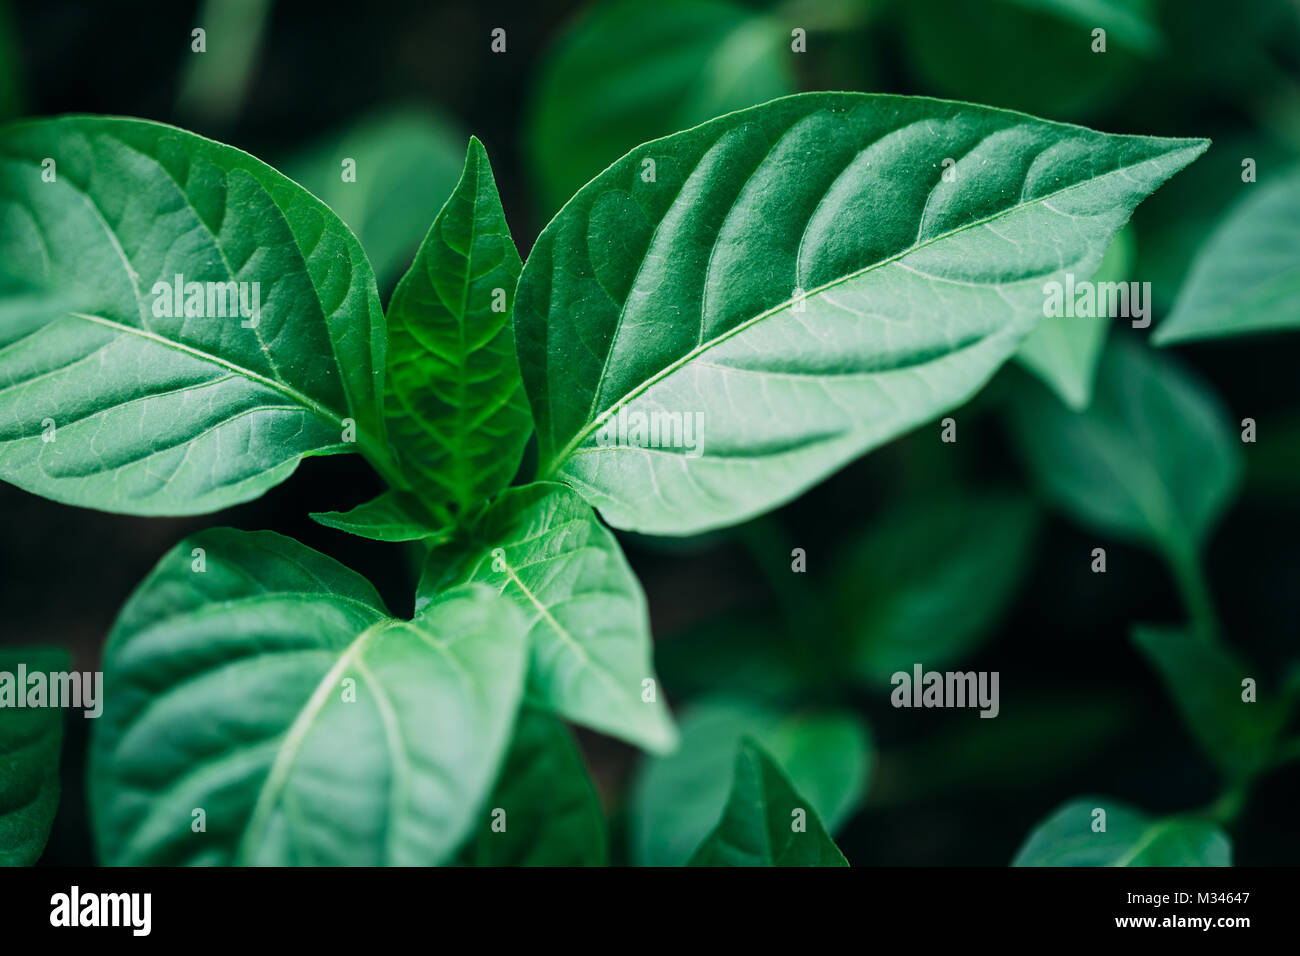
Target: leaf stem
1189 576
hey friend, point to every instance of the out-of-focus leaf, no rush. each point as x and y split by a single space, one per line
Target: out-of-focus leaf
928 582
1153 459
30 741
961 48
550 812
1131 838
1246 278
1205 681
678 798
1064 351
408 161
619 77
765 822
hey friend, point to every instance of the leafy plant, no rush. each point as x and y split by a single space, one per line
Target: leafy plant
806 280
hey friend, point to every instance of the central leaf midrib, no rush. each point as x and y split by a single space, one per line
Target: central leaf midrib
558 459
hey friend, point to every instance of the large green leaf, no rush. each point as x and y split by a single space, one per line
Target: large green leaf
543 547
1204 680
106 404
801 282
1153 459
456 408
678 798
1247 276
929 581
765 822
30 740
617 78
551 813
1131 838
273 691
1063 351
407 162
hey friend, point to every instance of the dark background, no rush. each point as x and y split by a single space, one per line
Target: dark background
64 572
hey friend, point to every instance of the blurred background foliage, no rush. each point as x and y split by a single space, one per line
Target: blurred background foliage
975 554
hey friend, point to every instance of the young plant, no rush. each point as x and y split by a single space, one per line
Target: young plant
715 323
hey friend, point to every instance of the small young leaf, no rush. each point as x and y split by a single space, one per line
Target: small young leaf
1205 681
543 547
927 583
678 798
765 822
1130 838
550 814
1064 351
1246 278
393 516
456 408
1153 459
264 708
30 741
799 283
115 400
617 78
406 162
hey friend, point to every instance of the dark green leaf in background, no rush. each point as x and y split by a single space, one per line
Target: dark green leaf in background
1204 682
273 691
1154 459
456 408
758 823
806 281
553 816
930 580
1132 838
1246 278
620 77
182 415
408 160
678 798
30 741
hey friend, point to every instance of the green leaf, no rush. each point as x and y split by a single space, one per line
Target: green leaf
677 799
617 78
1204 680
930 580
456 408
1054 70
1131 838
393 516
1246 278
543 547
553 815
1064 351
30 741
758 825
1153 459
408 160
273 691
106 404
673 303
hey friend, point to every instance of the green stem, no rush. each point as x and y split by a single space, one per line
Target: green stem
1194 589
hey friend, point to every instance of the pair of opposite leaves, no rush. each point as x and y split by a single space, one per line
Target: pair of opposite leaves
802 273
